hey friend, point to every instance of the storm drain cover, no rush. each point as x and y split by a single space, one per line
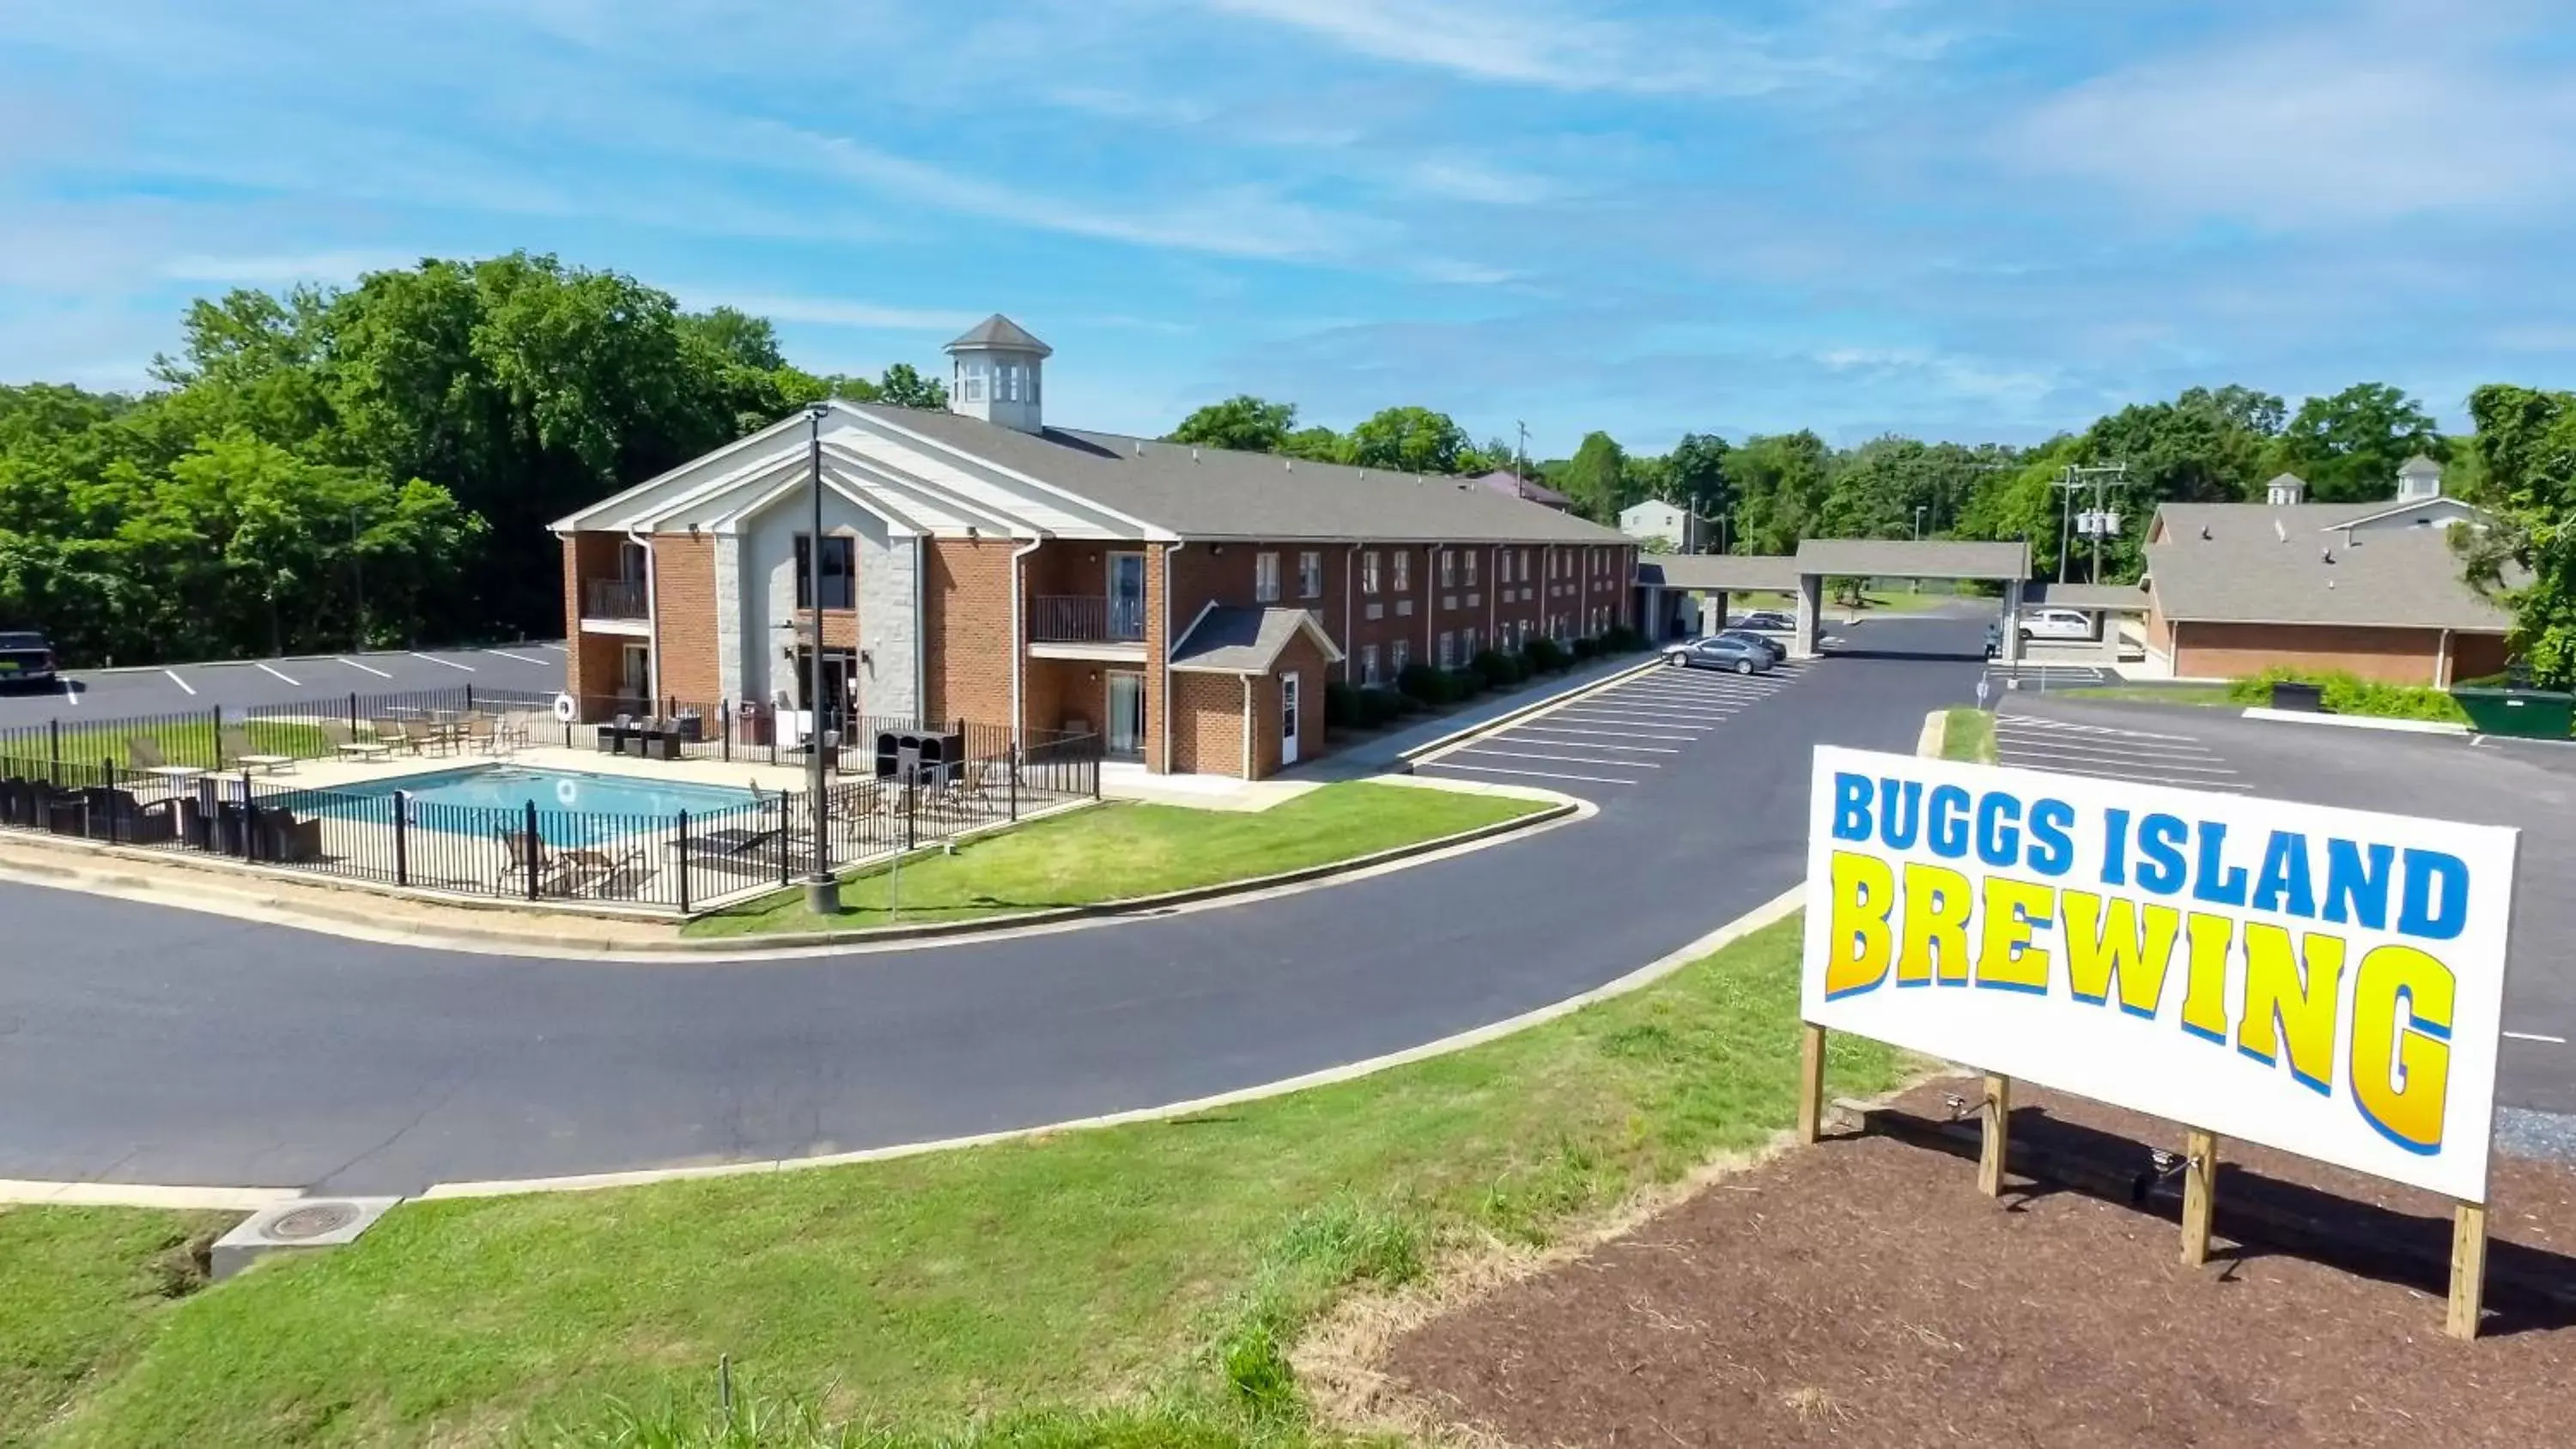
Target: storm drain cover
312 1220
302 1225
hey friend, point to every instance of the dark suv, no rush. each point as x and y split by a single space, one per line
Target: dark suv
26 657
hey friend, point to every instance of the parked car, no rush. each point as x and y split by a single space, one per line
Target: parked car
1720 652
1769 621
1774 647
26 657
2056 624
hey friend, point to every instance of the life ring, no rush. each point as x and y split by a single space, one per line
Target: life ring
566 707
567 794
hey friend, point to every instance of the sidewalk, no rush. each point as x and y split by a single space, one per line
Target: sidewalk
1382 753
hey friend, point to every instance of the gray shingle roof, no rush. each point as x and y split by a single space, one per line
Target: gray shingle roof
1000 331
1231 639
2244 573
1216 493
2086 596
1719 571
1513 486
1897 558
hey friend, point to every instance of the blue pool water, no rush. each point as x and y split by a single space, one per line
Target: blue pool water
483 793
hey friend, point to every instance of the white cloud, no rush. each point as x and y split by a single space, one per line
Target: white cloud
274 271
837 312
1456 273
1458 178
2413 106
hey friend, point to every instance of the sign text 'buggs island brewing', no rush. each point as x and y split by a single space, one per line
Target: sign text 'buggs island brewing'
2326 981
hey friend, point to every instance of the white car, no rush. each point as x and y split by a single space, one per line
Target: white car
2056 624
1765 621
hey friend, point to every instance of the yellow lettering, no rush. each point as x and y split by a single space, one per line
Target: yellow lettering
2284 1002
1864 893
2401 1077
2107 948
2204 1002
1937 905
2006 959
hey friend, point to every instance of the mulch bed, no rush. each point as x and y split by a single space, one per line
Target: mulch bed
1864 1293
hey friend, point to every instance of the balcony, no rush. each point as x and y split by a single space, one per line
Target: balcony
1086 626
613 606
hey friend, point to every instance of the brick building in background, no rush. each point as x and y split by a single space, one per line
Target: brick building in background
1190 604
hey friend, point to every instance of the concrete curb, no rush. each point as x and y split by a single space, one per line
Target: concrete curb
2361 722
16 1193
1468 732
752 948
1936 728
1770 912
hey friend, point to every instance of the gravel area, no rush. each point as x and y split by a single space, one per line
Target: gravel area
1863 1293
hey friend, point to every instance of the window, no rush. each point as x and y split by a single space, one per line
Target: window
1265 578
1368 666
1399 655
1404 571
1471 569
1368 572
1005 382
1524 570
1502 566
1310 575
1448 649
1448 568
1467 642
840 569
970 381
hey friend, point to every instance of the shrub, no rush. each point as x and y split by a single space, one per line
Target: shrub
2351 694
1424 683
1501 671
1620 639
1585 649
1341 705
1546 655
1465 684
1378 707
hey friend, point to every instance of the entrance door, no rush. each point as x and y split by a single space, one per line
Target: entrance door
1126 714
839 667
634 674
1287 719
1126 596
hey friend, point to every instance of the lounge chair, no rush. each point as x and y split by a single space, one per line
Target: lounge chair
237 750
142 752
481 733
115 815
395 733
563 872
347 746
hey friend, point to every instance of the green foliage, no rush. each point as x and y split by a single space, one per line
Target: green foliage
1544 655
1407 440
2351 694
1621 639
1781 482
1424 683
1243 422
1695 475
1500 670
2526 455
1594 479
2349 446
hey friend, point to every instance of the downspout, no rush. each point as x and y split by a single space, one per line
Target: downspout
1247 727
920 635
653 625
1493 594
1019 632
2442 662
1350 621
1161 668
1430 602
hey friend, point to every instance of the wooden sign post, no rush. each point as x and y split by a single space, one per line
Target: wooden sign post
2468 1268
1995 1118
2199 1194
1811 1083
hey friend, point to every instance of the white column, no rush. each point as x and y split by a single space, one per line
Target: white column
2010 649
1811 603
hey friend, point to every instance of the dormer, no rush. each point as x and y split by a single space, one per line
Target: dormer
995 373
2419 479
2287 491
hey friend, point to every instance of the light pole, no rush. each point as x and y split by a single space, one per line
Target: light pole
358 583
1918 523
822 888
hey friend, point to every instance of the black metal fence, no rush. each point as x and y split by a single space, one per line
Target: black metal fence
681 861
749 731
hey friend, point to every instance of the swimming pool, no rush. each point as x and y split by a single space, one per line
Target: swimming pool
478 797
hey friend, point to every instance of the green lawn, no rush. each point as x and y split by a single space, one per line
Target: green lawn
81 1291
177 741
1968 734
2196 694
1114 851
1153 1273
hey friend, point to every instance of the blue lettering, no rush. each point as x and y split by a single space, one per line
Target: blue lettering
2160 839
2217 883
1900 813
2354 893
1998 839
2053 850
1949 839
2426 869
2115 847
1851 807
2284 885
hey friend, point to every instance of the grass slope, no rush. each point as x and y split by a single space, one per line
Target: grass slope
81 1290
1129 1286
1968 734
1120 850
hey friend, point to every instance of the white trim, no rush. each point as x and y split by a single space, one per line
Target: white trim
1152 532
578 522
629 628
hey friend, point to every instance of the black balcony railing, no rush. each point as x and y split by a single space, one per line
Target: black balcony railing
613 599
1086 619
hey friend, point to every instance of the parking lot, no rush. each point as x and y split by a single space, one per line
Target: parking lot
1626 735
237 684
2162 756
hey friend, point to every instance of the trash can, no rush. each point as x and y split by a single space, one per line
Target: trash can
2291 694
2530 714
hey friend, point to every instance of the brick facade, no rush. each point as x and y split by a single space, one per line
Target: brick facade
966 628
2389 656
684 620
1206 723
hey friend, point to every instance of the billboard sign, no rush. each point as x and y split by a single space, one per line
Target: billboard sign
2326 981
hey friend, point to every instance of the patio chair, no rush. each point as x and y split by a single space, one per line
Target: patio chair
237 750
142 752
346 745
483 733
284 840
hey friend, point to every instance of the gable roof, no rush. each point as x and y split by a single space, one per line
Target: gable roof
1231 639
2418 466
2298 518
2245 574
1512 486
1000 331
1900 558
1773 572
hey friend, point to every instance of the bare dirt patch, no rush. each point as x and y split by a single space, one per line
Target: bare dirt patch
1863 1293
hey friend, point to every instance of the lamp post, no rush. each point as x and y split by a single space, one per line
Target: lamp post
358 584
1918 523
822 889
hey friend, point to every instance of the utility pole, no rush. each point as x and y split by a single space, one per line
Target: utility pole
822 890
2097 520
1918 523
1520 460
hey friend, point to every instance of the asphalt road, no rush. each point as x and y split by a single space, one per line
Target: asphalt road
240 684
146 1045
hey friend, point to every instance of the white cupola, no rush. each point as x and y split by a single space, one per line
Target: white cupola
2286 491
2420 478
994 374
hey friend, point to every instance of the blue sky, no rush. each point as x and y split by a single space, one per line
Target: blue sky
1962 218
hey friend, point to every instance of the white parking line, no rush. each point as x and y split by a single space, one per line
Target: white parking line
450 663
1656 712
2537 1036
183 684
1514 738
2113 757
1562 759
354 664
70 693
1603 716
558 648
1533 774
2138 779
2051 739
287 677
522 658
1697 691
2042 721
1602 734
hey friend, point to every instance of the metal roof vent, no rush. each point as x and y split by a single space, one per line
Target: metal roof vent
297 1225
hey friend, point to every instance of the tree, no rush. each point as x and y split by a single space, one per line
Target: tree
1695 475
1244 423
2350 446
1595 478
1494 455
1781 482
1408 440
2526 450
905 388
1317 444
